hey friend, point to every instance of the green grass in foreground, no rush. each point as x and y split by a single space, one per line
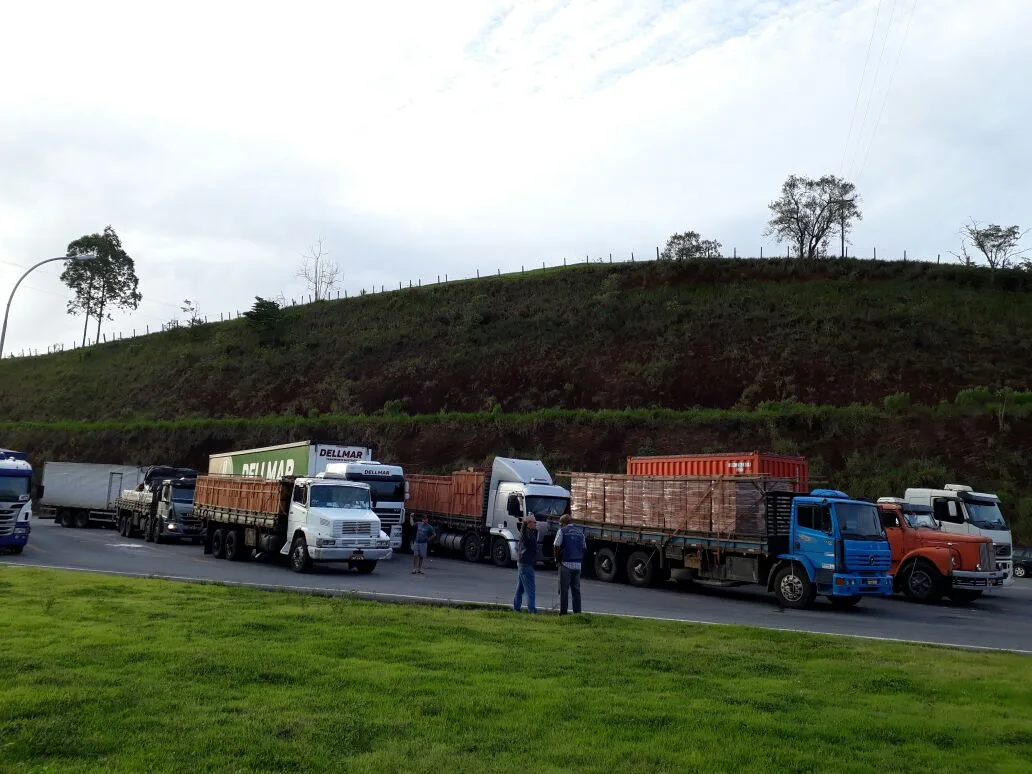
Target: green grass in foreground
134 675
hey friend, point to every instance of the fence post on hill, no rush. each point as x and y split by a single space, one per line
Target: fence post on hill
761 253
734 252
904 256
657 252
632 256
937 257
876 253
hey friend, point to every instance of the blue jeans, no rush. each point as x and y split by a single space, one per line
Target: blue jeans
525 582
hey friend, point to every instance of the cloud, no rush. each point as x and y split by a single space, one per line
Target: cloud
420 139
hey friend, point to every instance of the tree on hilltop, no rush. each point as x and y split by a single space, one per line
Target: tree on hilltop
809 210
689 246
108 281
998 245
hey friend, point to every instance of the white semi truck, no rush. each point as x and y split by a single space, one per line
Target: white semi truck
15 502
321 518
388 488
79 494
961 510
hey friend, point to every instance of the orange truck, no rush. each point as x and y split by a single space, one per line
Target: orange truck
928 563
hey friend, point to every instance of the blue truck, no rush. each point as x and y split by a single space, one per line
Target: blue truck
15 500
733 531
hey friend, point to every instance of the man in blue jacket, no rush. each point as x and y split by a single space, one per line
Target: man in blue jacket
569 547
526 557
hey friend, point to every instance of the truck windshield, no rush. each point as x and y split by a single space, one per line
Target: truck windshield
985 514
339 497
859 521
547 507
12 488
920 519
180 495
387 491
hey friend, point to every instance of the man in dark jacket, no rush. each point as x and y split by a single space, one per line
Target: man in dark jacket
526 557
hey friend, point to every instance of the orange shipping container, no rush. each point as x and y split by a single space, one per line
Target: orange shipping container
730 464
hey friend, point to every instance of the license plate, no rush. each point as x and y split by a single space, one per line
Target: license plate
357 555
871 581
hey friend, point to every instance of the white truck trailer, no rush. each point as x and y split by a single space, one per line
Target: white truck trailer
79 494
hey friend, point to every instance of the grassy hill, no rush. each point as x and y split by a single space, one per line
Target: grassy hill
880 371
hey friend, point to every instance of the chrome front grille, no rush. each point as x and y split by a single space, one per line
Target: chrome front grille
7 522
986 558
388 518
1003 550
353 529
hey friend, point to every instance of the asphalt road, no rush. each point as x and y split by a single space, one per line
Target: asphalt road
1002 620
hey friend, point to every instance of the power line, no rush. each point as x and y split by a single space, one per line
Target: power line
859 90
888 88
877 69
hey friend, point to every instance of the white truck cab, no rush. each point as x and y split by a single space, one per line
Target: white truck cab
388 488
961 510
519 487
336 518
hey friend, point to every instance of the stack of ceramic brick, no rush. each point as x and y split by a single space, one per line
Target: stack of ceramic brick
730 505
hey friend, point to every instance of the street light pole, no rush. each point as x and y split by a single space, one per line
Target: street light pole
3 333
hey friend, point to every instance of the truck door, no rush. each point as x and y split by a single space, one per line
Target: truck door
891 523
814 538
948 513
114 487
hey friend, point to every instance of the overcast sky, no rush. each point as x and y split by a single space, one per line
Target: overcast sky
221 139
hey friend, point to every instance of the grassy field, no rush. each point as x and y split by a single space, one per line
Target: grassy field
130 675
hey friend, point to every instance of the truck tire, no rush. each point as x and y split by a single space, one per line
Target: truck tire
364 568
793 589
471 547
500 552
148 530
606 567
234 545
17 549
82 519
218 543
641 570
963 596
300 561
844 603
922 582
64 518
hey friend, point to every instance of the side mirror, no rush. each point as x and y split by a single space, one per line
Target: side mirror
372 500
512 506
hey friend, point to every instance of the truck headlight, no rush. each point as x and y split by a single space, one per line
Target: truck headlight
321 542
383 543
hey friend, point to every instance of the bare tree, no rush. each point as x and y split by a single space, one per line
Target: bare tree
997 244
321 275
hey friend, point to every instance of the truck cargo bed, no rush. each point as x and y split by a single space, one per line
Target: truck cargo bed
243 518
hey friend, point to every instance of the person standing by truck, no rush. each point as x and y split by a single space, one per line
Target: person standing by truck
569 549
525 561
424 531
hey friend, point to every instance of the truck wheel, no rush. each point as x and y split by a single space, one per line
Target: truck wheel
148 530
500 552
641 570
364 568
922 582
64 518
235 548
218 543
82 519
606 568
793 589
962 597
844 603
471 547
158 537
17 549
299 559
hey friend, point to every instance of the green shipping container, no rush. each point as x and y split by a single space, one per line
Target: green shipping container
302 458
